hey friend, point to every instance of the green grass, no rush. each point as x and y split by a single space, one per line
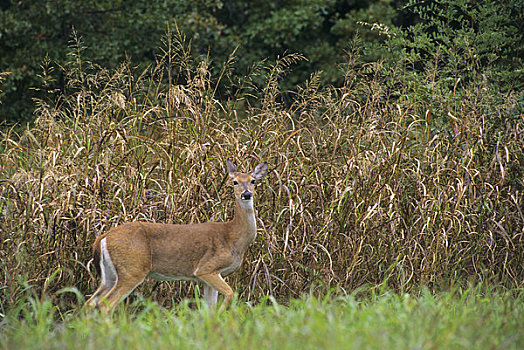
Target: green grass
467 319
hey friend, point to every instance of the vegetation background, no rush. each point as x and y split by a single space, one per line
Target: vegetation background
394 131
487 33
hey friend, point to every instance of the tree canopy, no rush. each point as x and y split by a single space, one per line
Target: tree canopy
469 37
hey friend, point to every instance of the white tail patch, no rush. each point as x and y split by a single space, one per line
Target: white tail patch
109 275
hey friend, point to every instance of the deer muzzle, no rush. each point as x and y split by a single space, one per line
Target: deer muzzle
246 195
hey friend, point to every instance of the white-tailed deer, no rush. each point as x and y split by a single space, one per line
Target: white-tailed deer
127 254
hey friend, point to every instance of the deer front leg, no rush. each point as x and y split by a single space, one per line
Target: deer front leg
211 295
214 280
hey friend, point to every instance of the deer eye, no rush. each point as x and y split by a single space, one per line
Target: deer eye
253 182
235 182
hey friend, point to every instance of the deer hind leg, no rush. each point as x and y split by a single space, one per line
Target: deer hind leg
109 276
216 281
115 285
102 290
123 287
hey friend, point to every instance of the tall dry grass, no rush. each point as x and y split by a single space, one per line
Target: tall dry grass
383 180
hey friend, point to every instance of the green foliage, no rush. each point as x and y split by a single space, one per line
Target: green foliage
31 30
468 41
464 41
372 25
112 31
464 319
319 30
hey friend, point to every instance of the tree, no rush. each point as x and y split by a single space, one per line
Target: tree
113 31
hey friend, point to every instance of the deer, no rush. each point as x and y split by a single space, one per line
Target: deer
127 254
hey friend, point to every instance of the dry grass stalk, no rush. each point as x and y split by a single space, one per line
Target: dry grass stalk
361 190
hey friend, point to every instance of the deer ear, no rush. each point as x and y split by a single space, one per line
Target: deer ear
260 171
231 168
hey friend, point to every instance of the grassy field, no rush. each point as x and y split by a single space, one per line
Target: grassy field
463 319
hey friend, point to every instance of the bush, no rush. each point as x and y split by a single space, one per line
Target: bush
114 31
467 41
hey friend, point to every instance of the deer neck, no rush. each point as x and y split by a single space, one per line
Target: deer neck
244 225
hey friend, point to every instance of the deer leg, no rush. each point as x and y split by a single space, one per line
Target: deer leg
211 295
216 281
109 276
101 291
117 284
122 288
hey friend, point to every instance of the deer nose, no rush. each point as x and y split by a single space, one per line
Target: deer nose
246 195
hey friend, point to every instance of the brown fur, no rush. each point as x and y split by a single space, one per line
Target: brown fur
203 252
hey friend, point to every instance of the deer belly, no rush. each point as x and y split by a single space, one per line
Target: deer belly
162 277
